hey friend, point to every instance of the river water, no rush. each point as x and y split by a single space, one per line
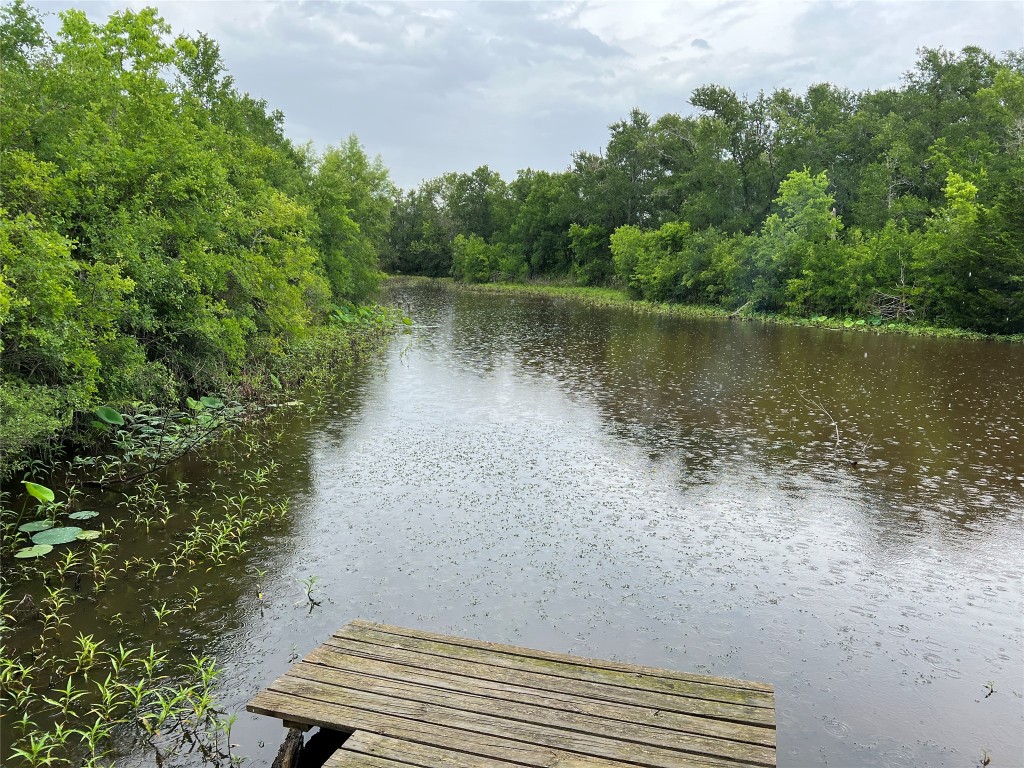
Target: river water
674 493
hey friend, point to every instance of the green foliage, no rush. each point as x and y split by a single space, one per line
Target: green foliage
37 491
898 205
110 415
591 254
970 263
540 226
36 550
799 254
53 536
473 259
352 198
158 232
476 261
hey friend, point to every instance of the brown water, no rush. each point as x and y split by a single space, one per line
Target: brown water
671 493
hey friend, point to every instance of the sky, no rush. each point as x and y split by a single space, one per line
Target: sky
437 87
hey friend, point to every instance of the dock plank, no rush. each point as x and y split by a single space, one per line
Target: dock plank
342 758
551 656
546 733
499 672
415 698
330 714
563 665
529 689
411 753
467 702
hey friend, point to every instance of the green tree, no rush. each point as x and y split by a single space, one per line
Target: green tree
352 198
799 256
970 267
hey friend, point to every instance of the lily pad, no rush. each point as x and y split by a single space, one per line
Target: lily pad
57 535
212 402
109 415
35 526
85 514
41 492
37 551
88 535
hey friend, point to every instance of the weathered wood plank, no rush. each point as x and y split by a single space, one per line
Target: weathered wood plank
550 656
761 720
513 692
417 699
412 753
342 758
563 666
469 703
332 715
567 732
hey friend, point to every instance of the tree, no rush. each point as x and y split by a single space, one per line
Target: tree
799 256
970 260
542 217
352 198
160 233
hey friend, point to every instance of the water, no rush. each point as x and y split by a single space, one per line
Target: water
671 493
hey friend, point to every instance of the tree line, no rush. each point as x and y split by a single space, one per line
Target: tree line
899 204
160 236
158 232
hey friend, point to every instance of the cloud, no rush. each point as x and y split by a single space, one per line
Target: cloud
448 86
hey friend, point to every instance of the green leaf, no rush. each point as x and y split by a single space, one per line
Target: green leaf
36 551
85 514
88 535
195 405
97 424
406 321
41 492
57 535
109 415
212 402
275 381
35 526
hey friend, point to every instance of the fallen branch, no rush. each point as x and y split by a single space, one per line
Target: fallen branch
817 404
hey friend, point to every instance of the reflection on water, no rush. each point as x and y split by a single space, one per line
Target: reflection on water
670 493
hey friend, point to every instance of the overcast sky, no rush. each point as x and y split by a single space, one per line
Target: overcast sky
436 87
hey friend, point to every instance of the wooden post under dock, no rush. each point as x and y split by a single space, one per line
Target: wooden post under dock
413 698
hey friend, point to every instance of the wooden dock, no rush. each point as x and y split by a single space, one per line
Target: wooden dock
412 698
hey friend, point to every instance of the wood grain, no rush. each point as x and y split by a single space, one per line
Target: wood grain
415 698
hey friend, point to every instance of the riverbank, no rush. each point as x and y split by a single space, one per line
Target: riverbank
606 297
266 377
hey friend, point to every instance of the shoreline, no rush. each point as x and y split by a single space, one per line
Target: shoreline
614 297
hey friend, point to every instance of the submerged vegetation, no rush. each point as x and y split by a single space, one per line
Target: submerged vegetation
87 693
898 206
83 694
